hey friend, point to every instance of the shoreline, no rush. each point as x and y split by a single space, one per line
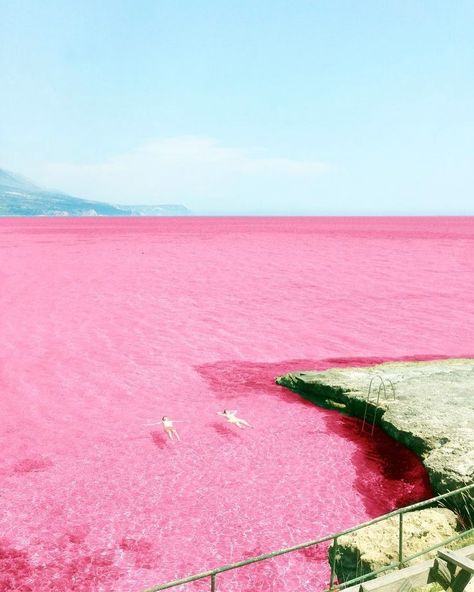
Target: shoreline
432 412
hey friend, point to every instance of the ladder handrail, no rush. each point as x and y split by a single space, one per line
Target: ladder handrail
381 385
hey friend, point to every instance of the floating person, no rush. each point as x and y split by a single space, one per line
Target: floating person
168 426
231 417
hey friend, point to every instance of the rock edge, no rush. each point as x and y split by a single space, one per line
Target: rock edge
432 412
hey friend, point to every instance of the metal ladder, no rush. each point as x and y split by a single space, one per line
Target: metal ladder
382 386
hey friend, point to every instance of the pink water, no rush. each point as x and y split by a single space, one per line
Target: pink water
107 324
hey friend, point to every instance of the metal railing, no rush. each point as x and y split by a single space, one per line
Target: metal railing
212 573
381 386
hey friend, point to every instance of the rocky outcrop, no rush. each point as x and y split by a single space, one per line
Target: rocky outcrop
376 546
430 410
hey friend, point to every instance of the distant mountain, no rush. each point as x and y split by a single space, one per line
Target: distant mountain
161 210
21 197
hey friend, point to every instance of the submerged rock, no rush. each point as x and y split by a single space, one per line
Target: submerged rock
376 546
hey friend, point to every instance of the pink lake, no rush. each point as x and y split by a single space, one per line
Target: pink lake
107 324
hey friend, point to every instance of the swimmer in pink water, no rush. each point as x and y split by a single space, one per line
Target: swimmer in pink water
232 418
168 426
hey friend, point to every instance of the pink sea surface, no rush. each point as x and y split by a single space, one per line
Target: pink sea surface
107 324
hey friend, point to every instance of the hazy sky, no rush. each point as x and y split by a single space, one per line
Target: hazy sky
248 106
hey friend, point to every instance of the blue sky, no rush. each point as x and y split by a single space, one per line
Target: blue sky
255 106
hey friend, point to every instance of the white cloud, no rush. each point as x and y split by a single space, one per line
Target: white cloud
195 171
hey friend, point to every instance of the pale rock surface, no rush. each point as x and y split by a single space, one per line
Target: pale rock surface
432 412
376 546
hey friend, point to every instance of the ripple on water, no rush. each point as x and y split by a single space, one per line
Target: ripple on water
114 323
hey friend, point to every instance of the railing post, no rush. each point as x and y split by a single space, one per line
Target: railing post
334 538
400 541
333 563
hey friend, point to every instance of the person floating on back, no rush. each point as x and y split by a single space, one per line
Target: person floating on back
168 426
231 417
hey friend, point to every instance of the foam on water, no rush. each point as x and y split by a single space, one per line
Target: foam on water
107 324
